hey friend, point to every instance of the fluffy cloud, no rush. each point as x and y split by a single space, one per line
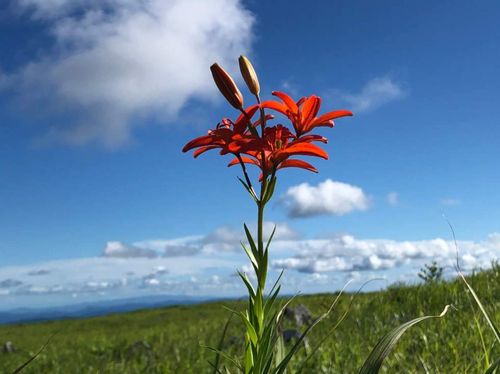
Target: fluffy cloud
113 63
328 197
347 253
222 239
375 93
185 246
228 239
315 265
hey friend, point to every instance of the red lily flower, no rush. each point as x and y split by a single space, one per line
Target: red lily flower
230 137
303 113
278 144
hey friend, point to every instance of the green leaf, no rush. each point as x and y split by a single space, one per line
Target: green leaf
253 130
249 190
223 354
270 190
270 238
250 329
22 366
245 279
281 368
215 365
339 321
277 281
270 301
251 241
279 315
476 298
252 258
249 362
386 344
280 350
259 312
493 367
478 302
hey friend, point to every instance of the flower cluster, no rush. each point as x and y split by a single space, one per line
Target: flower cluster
273 147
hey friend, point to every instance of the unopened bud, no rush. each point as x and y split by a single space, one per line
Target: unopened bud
227 86
249 75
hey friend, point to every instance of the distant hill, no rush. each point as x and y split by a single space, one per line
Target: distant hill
93 309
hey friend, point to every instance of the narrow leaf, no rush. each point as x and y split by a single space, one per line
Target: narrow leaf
483 310
251 257
385 345
245 279
271 238
22 366
219 346
247 187
250 240
283 364
250 329
493 367
476 298
223 354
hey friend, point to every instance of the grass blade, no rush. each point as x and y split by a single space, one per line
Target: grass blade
386 344
473 293
493 367
223 354
215 365
21 367
283 364
339 321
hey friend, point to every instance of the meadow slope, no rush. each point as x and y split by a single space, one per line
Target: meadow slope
170 340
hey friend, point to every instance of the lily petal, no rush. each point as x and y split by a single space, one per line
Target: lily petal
279 107
323 119
204 149
198 142
242 121
246 160
287 100
310 109
297 164
305 149
311 138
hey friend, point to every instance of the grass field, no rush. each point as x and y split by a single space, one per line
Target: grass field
169 340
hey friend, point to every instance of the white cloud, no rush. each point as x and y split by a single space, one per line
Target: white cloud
392 198
375 93
222 239
97 274
114 63
121 250
328 197
228 239
315 265
185 246
347 253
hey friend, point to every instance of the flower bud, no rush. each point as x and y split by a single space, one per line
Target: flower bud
226 86
249 75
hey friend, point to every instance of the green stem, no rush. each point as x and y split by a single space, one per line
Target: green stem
260 239
262 115
260 236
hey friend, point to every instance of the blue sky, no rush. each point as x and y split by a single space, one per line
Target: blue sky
97 99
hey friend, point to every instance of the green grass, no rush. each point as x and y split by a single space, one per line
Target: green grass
461 342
